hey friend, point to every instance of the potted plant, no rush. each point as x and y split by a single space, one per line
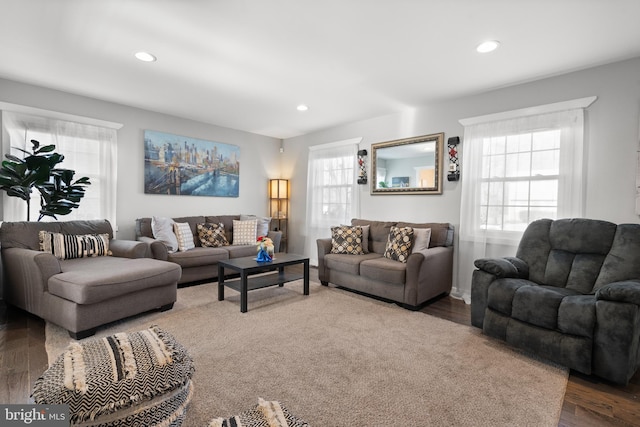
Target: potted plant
59 193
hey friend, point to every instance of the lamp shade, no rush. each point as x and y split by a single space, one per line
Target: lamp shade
279 189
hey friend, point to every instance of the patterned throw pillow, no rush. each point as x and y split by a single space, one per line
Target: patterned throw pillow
346 239
212 235
184 236
399 244
69 246
245 232
128 379
263 223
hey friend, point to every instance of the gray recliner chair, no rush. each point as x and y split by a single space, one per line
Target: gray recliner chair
571 295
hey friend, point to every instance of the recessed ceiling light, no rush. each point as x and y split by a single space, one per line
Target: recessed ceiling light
302 107
145 56
488 46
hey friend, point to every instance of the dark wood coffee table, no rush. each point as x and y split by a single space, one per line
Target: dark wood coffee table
248 266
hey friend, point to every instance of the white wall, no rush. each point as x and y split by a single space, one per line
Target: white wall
612 138
257 155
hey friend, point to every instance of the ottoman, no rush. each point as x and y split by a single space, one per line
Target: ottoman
127 379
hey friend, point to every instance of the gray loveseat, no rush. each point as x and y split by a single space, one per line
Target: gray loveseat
81 294
571 294
201 262
425 275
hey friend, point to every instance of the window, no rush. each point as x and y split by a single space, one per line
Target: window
517 167
520 176
332 190
88 149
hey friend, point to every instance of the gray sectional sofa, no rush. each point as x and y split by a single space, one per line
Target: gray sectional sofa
82 293
571 294
426 274
200 263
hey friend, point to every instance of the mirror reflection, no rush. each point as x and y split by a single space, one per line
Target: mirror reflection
408 166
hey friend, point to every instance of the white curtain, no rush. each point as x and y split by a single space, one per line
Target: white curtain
332 191
89 150
477 239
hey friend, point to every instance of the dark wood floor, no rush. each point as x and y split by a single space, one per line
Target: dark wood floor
588 401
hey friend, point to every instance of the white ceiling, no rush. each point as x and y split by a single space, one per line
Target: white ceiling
247 64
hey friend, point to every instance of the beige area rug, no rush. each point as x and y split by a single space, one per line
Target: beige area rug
335 358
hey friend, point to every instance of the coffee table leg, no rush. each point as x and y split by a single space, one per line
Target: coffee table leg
306 277
220 283
243 292
280 272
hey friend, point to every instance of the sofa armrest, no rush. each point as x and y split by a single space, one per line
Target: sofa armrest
429 274
626 291
158 249
276 237
507 267
129 249
324 247
27 273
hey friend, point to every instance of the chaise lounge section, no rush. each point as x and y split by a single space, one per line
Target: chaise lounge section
88 279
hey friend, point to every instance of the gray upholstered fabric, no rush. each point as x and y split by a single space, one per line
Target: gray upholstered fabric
581 296
200 263
425 275
80 294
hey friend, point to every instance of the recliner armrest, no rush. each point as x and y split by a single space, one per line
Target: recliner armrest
626 291
507 267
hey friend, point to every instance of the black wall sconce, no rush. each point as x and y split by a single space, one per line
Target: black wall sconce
362 165
454 166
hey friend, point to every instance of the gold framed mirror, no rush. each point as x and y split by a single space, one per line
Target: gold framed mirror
408 166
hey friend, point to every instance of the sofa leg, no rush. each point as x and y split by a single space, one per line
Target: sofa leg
324 283
166 307
82 334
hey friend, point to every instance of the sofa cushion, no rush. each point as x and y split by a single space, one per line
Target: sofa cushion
538 305
92 280
236 251
263 223
501 292
184 236
346 240
199 256
245 232
69 246
347 263
441 232
577 315
623 260
212 235
399 244
378 233
24 234
162 229
384 270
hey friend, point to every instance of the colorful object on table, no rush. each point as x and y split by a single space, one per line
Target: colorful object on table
265 249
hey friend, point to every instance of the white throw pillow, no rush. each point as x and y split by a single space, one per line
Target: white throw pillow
184 236
162 229
244 232
421 239
263 223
